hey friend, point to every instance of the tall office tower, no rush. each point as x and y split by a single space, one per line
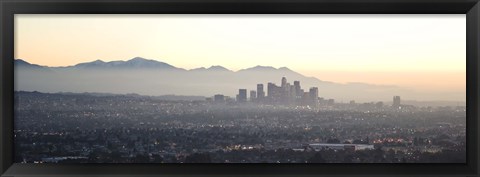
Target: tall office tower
285 94
270 90
274 93
260 92
284 82
301 97
314 96
242 95
219 98
305 98
396 102
298 89
253 95
293 94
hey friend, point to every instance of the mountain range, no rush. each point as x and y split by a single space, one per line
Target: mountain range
152 77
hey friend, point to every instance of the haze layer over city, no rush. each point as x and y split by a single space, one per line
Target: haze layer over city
240 89
421 57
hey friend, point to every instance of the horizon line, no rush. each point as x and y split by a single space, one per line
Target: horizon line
91 61
109 93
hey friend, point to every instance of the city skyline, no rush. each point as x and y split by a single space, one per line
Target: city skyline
402 48
184 88
294 95
119 68
142 129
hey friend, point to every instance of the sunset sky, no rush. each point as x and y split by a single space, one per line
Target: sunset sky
420 52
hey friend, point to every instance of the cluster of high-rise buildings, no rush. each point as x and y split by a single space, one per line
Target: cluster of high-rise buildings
284 94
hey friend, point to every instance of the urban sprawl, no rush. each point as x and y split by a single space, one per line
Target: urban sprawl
284 125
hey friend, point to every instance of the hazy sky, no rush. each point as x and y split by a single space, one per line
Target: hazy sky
421 52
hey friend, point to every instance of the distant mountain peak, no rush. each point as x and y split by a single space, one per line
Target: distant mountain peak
134 63
198 69
20 61
141 59
262 67
25 64
217 68
259 68
138 58
284 68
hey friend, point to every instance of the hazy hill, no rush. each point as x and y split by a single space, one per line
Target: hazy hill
134 63
23 65
151 77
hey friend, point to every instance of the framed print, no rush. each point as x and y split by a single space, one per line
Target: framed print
229 88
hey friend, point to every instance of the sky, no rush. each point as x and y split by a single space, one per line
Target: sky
419 52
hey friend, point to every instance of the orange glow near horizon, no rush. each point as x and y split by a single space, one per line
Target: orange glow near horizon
420 52
420 81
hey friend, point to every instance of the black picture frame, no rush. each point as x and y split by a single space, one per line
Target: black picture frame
10 7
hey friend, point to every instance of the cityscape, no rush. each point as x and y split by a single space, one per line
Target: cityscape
282 124
292 95
240 88
286 94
